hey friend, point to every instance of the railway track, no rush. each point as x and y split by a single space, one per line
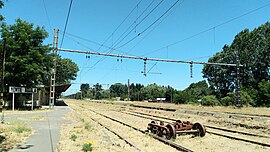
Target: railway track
168 142
208 126
186 110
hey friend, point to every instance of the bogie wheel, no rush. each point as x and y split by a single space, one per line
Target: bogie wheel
170 131
152 127
200 127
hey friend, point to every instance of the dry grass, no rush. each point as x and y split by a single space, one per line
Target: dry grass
13 133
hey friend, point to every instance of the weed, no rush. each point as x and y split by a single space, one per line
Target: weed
87 146
173 139
73 137
82 119
87 126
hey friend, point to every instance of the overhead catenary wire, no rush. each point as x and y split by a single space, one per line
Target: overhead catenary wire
47 16
119 25
153 28
209 29
66 23
112 48
149 25
137 24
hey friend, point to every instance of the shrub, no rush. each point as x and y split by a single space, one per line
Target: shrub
231 99
227 101
210 101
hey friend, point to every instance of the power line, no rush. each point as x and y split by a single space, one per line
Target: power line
69 9
214 27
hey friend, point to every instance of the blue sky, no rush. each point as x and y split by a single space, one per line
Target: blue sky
96 20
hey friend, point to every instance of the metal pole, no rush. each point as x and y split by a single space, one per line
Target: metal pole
13 102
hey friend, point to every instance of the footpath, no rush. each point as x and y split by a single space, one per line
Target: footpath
46 132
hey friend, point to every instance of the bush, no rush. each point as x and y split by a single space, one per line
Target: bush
227 101
231 99
210 101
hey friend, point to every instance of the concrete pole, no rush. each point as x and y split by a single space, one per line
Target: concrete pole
32 106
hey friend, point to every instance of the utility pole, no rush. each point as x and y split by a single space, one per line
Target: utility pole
53 73
128 90
2 103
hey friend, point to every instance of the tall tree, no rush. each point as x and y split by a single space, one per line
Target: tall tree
27 59
84 88
253 50
119 90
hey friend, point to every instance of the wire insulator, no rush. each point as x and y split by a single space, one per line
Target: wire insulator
191 69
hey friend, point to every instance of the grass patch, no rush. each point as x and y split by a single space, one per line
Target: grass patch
19 127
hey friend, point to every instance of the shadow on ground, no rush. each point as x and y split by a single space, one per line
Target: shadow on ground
60 103
3 147
24 146
2 138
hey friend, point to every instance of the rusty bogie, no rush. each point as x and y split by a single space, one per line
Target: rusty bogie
170 130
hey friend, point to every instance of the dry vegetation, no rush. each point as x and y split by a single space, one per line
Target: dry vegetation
13 133
83 129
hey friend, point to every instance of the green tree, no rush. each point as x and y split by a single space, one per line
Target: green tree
253 50
84 89
119 90
264 93
193 93
66 71
152 91
27 59
135 91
